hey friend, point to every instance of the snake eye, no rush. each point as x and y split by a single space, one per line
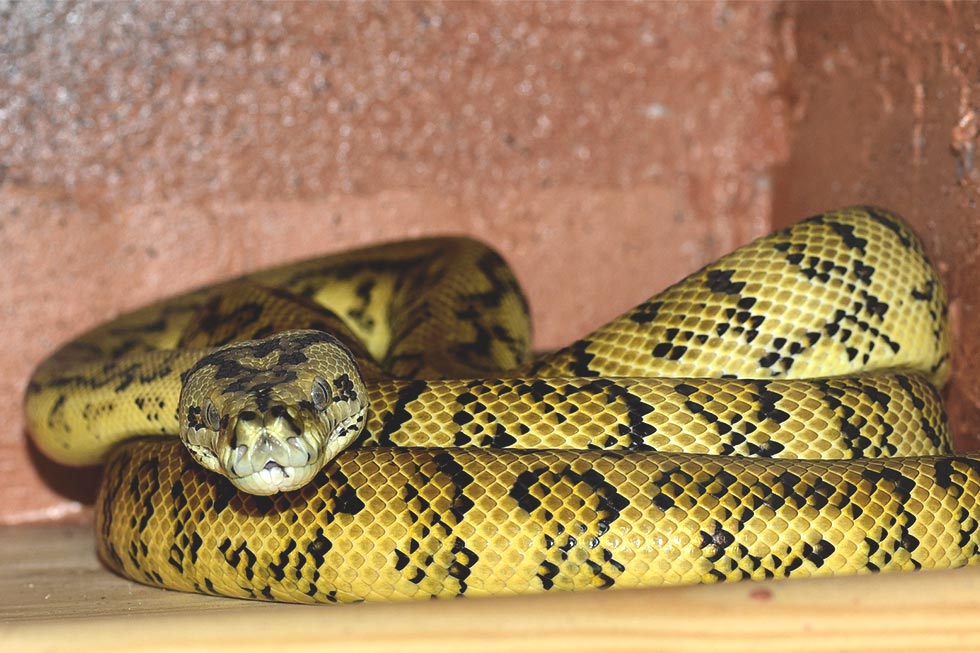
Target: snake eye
320 393
211 417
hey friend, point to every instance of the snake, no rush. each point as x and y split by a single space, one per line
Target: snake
373 425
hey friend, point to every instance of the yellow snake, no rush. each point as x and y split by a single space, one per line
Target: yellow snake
667 447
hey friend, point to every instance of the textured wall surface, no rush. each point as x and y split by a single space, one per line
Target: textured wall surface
883 100
145 148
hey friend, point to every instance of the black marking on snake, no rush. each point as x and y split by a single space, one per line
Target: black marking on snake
175 556
720 281
195 417
608 505
194 547
289 347
538 389
862 271
292 358
133 373
447 464
259 505
475 354
767 404
493 267
818 553
547 572
347 502
816 268
663 501
56 408
685 389
847 235
833 396
280 411
927 293
636 428
952 472
874 306
318 547
580 359
669 485
223 493
392 422
181 542
770 359
669 351
262 393
569 544
358 314
147 472
462 565
900 487
344 389
462 418
401 560
646 312
821 493
502 439
228 368
266 347
793 492
715 541
235 556
885 218
451 479
213 316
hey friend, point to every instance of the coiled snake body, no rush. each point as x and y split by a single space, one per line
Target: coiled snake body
667 447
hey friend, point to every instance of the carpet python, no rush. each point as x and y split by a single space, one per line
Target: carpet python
372 426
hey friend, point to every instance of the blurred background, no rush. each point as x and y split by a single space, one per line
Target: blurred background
606 149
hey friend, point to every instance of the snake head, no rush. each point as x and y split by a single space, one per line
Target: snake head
270 413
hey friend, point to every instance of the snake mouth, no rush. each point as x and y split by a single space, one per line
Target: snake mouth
291 464
275 478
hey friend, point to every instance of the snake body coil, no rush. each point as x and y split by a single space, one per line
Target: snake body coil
667 447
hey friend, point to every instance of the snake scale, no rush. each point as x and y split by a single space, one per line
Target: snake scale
380 431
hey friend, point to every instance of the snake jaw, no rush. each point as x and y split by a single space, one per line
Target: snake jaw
204 455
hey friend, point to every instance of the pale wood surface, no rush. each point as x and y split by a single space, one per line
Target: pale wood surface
55 596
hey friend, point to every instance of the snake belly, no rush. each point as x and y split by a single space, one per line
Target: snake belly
775 414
